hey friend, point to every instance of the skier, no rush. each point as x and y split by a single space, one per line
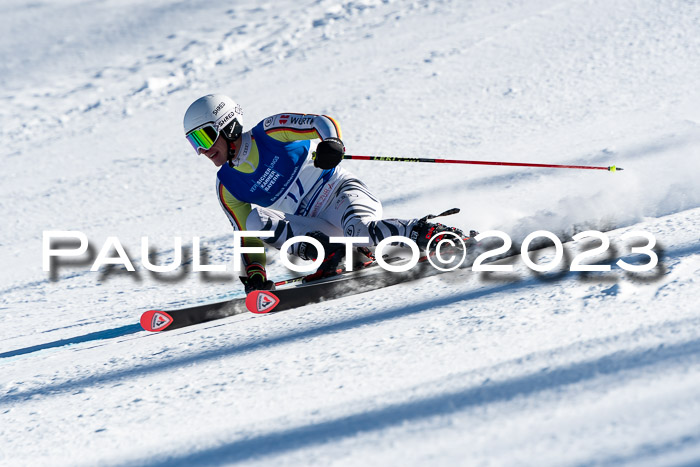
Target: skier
283 176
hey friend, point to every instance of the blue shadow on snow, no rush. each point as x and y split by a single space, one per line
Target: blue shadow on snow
292 439
93 336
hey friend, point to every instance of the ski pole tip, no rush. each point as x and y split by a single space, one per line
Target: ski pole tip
613 168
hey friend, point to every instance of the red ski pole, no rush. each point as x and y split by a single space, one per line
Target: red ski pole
611 168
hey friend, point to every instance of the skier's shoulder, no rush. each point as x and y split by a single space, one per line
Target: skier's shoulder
288 120
295 126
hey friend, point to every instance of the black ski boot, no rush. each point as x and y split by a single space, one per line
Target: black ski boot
335 252
364 256
424 232
256 279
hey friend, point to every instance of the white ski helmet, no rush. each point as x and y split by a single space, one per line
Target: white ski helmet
215 112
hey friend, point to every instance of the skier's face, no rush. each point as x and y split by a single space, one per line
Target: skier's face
217 153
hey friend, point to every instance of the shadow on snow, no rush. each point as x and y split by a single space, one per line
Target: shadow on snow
282 441
93 336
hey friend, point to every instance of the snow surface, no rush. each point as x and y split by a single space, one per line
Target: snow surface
459 369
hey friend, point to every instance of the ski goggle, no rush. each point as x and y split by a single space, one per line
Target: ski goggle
203 138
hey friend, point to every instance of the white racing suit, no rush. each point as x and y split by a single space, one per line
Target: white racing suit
274 186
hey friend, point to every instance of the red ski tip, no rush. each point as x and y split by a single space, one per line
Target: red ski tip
155 321
261 301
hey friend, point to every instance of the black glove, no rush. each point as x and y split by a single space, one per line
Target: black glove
257 279
329 153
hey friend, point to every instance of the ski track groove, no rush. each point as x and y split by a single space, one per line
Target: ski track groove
541 279
275 443
267 343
